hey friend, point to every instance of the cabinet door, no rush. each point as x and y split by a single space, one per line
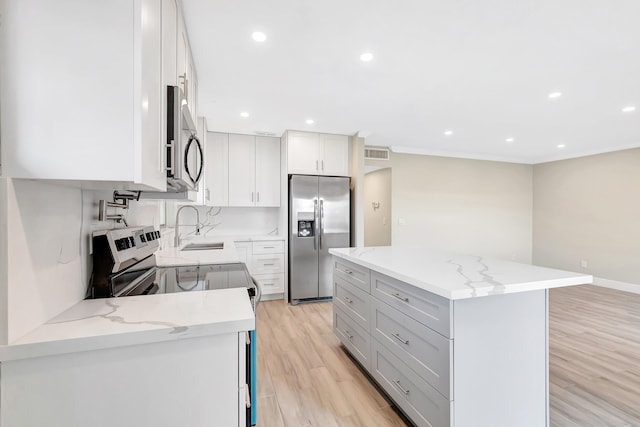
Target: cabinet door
182 54
149 163
169 47
303 153
192 91
217 169
243 249
267 171
242 170
334 159
203 195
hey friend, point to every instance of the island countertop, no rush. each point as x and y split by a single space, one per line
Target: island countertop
458 276
115 322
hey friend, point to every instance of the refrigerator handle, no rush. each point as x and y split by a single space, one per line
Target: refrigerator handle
321 221
315 216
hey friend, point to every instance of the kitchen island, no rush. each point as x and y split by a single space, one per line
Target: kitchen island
161 360
454 340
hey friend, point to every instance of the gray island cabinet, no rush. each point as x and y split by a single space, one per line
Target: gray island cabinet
453 340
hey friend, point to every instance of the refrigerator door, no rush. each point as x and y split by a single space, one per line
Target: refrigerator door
334 206
303 245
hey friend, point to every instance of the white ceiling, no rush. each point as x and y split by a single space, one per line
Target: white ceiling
482 69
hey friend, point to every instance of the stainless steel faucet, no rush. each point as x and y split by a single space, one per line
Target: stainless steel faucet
176 239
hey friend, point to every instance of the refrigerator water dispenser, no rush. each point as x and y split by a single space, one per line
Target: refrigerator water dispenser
306 224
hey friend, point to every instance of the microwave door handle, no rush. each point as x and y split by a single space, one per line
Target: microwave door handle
201 169
186 160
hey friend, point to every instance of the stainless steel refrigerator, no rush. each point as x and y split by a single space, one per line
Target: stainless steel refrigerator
319 216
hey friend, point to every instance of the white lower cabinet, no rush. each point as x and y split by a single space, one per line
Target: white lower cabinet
265 260
184 382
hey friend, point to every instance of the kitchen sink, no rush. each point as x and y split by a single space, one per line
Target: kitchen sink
203 246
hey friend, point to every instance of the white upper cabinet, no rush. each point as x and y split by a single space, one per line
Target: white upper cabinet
203 195
242 171
254 171
217 169
317 154
267 171
187 79
80 101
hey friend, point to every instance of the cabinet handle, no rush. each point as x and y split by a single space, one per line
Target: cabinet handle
268 247
258 197
268 264
402 389
316 165
349 300
348 333
399 338
322 163
267 284
401 298
252 197
170 157
208 194
349 272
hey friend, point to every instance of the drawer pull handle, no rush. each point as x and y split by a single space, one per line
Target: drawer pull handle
268 247
348 334
267 284
400 297
348 272
349 300
402 389
268 264
399 338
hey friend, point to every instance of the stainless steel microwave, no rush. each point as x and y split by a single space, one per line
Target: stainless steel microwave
185 156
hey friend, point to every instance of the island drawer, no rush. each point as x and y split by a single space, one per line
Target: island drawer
354 338
352 273
421 402
421 348
268 247
354 301
267 263
427 308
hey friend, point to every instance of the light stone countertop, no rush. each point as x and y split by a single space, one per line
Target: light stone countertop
169 256
116 322
458 276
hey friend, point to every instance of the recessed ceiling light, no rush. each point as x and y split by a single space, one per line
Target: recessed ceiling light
244 114
554 95
561 145
366 57
259 36
629 109
509 140
448 132
309 121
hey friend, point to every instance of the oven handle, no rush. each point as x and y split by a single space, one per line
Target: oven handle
258 293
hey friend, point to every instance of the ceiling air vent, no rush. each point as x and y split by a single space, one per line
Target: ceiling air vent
376 153
264 133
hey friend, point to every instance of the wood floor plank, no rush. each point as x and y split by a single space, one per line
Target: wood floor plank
305 378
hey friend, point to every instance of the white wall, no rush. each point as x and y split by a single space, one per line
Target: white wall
460 205
44 249
229 221
589 209
377 221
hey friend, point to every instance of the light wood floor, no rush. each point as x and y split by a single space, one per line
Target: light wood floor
306 379
594 363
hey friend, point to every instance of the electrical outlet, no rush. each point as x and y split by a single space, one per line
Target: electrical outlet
584 263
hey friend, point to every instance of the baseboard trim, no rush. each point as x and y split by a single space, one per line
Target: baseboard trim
614 284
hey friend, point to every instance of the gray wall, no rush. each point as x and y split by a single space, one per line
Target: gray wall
377 221
461 205
589 209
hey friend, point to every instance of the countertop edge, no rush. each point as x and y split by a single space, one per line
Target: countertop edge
466 293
